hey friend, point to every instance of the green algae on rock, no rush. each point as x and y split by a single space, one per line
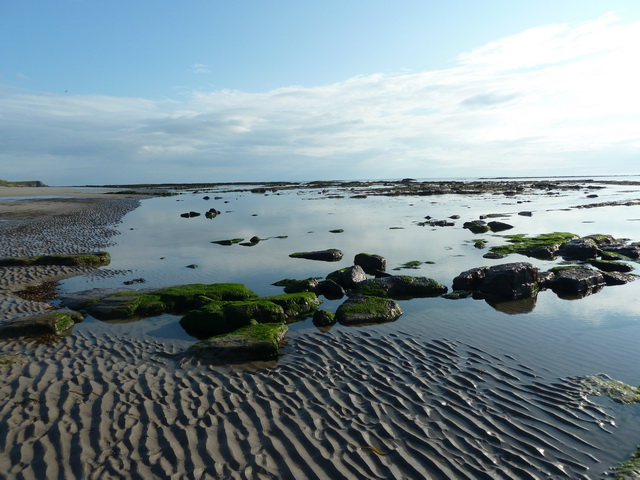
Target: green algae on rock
296 304
363 309
543 246
57 323
181 298
70 260
401 287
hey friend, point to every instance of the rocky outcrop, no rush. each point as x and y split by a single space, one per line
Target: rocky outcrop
579 248
72 260
322 318
510 281
362 309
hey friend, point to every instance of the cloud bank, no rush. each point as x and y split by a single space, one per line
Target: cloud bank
552 100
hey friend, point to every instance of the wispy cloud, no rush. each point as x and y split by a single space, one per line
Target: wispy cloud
201 68
554 99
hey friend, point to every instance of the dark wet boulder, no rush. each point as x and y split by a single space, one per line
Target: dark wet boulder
470 279
329 255
59 322
579 248
476 226
602 240
400 287
370 263
496 226
510 281
253 342
545 279
576 281
322 318
349 277
362 310
330 289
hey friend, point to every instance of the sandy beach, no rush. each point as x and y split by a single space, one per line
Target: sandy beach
340 405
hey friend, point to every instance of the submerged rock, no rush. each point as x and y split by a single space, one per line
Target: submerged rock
362 309
496 226
476 226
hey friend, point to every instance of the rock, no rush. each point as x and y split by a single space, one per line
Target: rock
71 260
362 309
499 226
617 278
59 322
476 226
470 279
579 248
253 342
400 287
296 286
121 304
611 266
349 277
217 318
329 255
543 246
193 265
525 214
370 263
228 242
322 318
296 304
576 281
212 213
545 279
330 289
510 281
631 251
457 295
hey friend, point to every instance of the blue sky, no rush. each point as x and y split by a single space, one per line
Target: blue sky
219 90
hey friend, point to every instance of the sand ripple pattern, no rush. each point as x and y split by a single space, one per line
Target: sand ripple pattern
340 405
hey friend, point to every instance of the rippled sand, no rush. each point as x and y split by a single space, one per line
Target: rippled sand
339 406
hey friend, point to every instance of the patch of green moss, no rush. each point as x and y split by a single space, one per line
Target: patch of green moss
541 246
628 470
185 297
295 304
411 265
60 322
611 266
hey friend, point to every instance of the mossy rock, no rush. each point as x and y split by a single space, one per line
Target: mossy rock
543 246
619 392
216 318
252 342
70 260
611 266
58 323
228 242
296 286
629 470
362 310
147 303
296 304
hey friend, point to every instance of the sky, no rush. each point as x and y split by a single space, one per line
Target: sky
158 91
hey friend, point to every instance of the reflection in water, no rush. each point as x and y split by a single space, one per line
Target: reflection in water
514 307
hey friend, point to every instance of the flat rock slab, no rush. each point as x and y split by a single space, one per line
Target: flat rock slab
401 287
252 343
329 255
59 322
